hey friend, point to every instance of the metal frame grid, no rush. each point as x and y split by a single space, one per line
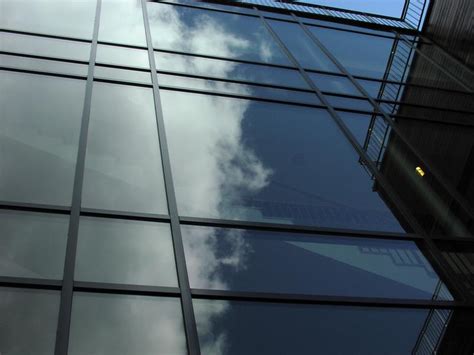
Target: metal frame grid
67 286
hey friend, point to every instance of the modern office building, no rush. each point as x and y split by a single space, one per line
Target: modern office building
236 177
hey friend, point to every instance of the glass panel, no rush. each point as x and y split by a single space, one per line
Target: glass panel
341 26
40 122
134 76
357 123
270 328
246 160
126 57
333 83
229 70
29 321
238 89
122 22
126 325
52 66
372 87
32 244
62 18
249 260
213 33
360 54
125 251
349 103
301 46
47 47
123 163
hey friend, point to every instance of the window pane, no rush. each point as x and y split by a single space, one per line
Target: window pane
122 22
123 163
62 18
339 266
29 320
229 70
333 83
126 57
270 328
40 121
47 47
360 54
134 76
124 251
238 89
32 244
301 46
232 36
358 124
246 160
126 325
51 66
342 102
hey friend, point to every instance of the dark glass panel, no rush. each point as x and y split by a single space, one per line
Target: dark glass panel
271 328
342 26
334 83
125 251
246 160
302 47
372 87
249 260
47 47
226 69
61 18
213 33
126 57
360 54
123 164
32 244
122 22
43 65
40 121
134 76
357 123
349 103
238 89
28 322
126 325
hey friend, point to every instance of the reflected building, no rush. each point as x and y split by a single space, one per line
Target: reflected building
245 177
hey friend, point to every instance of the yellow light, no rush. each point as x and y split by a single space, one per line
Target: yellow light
420 171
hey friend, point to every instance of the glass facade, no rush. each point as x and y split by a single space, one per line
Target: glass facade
184 177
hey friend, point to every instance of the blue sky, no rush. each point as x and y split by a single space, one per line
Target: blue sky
381 7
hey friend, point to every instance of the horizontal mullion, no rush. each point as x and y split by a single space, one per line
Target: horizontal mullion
325 300
24 282
125 289
90 212
447 123
290 228
412 104
34 56
47 36
115 66
348 30
243 61
122 82
47 73
123 45
34 207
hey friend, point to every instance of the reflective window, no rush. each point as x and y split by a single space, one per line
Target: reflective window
213 33
47 47
41 118
238 89
271 328
333 83
123 163
125 251
360 54
122 22
342 26
357 123
32 244
246 160
351 103
339 266
126 57
29 321
372 87
61 18
43 65
126 325
302 47
135 76
229 70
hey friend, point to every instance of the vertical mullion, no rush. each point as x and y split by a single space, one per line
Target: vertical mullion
183 280
432 251
64 319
